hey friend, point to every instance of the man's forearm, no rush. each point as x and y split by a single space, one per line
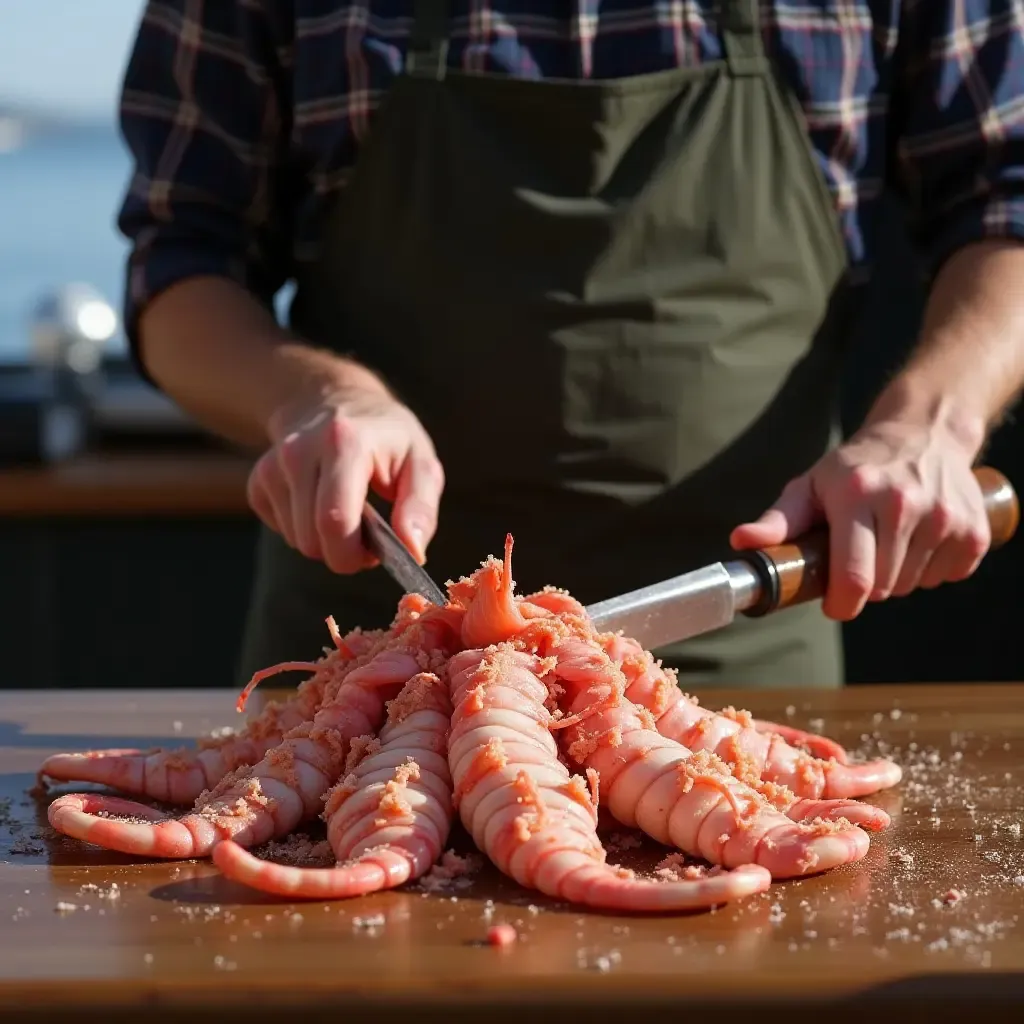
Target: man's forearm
223 358
968 366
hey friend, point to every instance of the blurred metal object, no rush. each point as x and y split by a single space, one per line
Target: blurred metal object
70 335
71 328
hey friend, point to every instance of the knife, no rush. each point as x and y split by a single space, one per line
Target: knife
752 584
758 582
396 558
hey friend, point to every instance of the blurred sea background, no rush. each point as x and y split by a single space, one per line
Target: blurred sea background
59 194
63 165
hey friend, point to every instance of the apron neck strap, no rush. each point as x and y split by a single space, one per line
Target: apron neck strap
741 37
428 44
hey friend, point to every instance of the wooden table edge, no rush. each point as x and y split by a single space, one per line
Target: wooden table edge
610 991
939 993
169 483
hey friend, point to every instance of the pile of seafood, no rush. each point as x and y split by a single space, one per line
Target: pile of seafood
516 715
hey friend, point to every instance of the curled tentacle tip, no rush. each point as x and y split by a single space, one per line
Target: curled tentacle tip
336 638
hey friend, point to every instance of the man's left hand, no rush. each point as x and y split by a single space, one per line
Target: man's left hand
904 511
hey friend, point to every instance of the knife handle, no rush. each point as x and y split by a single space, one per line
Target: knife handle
797 572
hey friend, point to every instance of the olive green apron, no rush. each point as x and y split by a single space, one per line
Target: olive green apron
614 305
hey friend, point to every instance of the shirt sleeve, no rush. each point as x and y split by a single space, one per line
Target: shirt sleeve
958 114
201 117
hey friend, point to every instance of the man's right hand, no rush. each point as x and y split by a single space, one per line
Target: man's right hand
335 430
326 455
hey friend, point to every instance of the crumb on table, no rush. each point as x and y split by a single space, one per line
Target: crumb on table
501 935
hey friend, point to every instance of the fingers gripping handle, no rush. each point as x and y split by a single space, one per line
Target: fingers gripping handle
797 572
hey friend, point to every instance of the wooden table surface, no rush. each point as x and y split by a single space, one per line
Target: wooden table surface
103 934
127 484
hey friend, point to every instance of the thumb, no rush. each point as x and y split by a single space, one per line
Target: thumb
794 513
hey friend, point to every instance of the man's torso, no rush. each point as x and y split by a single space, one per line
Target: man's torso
835 56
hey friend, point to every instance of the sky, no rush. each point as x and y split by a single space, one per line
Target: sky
65 56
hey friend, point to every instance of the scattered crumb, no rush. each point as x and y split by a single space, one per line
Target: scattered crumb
501 935
619 842
675 868
368 924
298 850
26 846
603 962
899 910
452 871
111 892
211 912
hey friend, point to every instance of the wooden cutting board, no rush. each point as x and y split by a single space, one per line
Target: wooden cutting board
932 914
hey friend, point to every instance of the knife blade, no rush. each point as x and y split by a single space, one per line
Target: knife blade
757 582
396 558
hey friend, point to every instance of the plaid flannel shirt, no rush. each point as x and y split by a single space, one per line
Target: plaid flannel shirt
244 116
